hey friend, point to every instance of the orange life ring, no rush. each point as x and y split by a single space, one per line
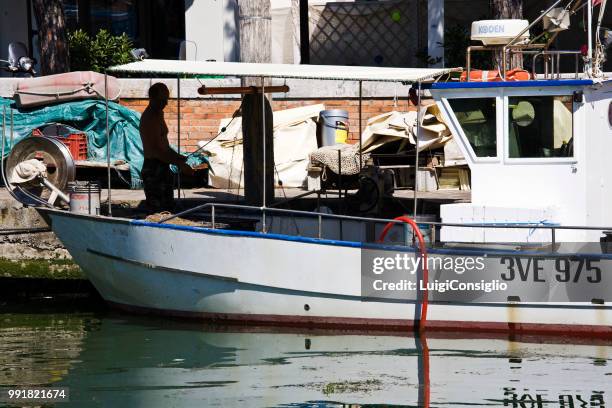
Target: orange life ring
477 75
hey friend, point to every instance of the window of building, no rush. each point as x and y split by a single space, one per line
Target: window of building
116 16
540 126
477 117
156 25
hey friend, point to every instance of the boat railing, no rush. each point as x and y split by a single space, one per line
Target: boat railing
553 228
552 62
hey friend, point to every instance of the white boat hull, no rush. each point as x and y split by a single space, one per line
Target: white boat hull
273 279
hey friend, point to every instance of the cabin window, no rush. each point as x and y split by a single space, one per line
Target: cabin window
540 126
477 117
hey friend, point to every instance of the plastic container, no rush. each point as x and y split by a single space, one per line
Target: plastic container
84 197
75 141
77 144
334 127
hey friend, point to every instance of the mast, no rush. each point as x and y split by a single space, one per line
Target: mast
600 50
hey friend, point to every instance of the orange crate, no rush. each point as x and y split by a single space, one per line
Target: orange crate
76 143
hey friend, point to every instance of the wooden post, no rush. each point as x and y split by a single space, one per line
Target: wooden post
253 150
255 22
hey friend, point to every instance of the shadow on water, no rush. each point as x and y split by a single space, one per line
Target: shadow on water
108 359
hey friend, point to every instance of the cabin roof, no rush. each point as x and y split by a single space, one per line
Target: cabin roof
242 69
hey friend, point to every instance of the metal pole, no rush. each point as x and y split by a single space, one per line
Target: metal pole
4 180
212 210
108 147
304 33
468 62
533 23
263 128
178 131
3 132
416 160
12 132
590 28
339 174
360 113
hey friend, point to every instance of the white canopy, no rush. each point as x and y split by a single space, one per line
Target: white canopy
242 69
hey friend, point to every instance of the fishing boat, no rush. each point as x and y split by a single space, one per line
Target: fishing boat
536 229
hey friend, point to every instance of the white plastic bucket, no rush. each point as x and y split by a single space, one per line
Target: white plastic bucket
84 197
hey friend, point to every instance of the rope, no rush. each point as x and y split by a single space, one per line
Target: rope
280 183
223 129
89 87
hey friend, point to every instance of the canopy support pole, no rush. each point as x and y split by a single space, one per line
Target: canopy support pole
590 39
108 147
360 125
178 131
416 160
265 163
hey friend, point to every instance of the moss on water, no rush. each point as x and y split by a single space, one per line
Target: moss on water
40 268
366 386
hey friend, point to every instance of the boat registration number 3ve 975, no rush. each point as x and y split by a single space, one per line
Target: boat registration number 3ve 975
564 269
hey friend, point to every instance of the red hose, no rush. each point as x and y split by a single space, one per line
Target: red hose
423 249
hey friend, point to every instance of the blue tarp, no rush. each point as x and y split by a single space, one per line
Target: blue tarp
88 116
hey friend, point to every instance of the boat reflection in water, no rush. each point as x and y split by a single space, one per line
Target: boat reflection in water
137 362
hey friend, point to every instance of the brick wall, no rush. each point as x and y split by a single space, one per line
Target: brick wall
200 118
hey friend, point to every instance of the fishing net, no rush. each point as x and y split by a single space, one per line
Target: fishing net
348 162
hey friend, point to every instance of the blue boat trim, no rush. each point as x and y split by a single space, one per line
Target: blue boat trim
367 245
512 84
251 234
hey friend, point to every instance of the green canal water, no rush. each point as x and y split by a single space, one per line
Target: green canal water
117 360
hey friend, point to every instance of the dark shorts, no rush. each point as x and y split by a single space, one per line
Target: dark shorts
158 182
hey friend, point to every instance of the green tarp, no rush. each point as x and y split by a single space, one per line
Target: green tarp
88 116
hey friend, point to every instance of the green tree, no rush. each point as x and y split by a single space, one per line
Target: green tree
98 53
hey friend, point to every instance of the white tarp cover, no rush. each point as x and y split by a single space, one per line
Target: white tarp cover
243 69
391 126
295 136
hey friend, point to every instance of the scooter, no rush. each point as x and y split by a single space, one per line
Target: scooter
18 60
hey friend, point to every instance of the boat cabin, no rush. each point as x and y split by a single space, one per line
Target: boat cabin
539 153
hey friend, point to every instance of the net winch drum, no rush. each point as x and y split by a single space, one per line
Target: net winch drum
333 127
53 154
84 197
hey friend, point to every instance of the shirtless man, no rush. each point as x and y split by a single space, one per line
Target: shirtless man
157 177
